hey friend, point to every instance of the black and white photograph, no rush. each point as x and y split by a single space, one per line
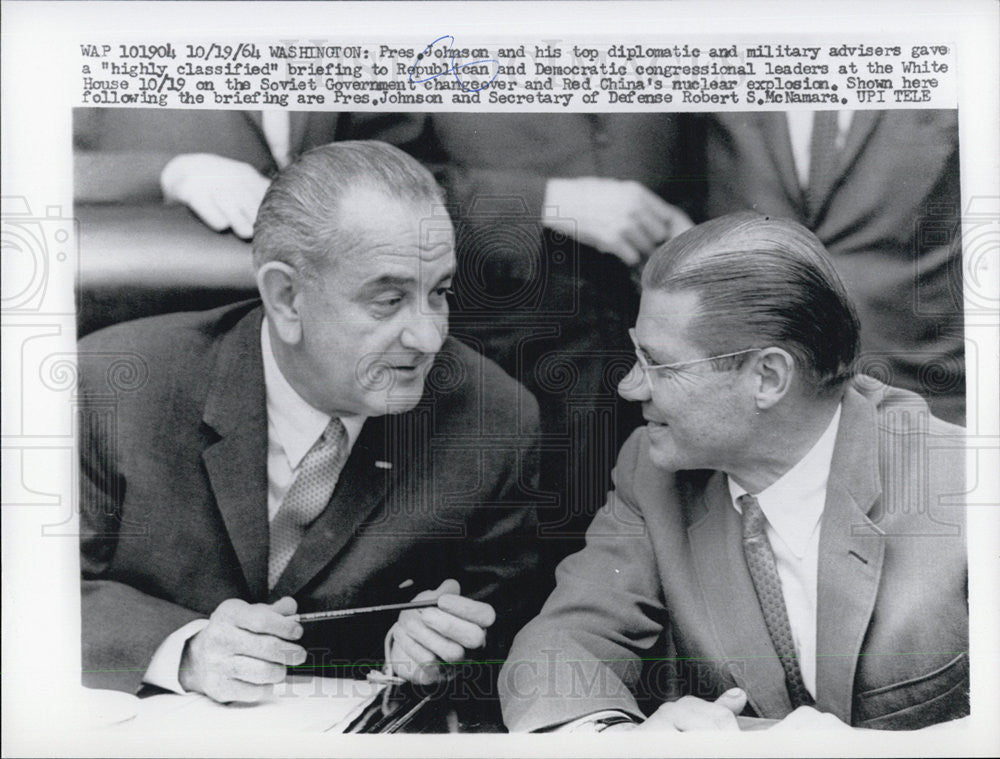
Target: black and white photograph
530 389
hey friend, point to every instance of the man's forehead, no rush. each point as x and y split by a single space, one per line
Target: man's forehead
394 262
371 208
676 307
663 326
382 251
391 267
373 221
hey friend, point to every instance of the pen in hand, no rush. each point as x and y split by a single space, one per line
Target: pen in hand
322 616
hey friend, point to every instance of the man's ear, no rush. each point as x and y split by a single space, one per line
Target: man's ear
280 287
774 370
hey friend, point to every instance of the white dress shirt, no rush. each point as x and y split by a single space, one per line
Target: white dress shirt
277 128
793 506
800 127
293 426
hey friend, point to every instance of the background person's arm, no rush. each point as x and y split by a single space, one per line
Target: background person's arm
120 154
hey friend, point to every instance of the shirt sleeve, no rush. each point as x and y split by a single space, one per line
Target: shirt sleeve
165 666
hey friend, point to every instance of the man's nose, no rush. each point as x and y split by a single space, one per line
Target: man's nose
425 332
634 385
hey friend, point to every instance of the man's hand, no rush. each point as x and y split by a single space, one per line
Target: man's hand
426 639
623 218
243 651
224 193
810 718
692 713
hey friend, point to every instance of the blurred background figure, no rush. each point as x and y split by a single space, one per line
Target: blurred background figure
218 163
555 215
881 191
141 255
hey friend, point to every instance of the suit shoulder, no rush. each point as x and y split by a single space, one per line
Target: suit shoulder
168 329
902 412
472 381
635 463
919 457
158 346
635 448
637 477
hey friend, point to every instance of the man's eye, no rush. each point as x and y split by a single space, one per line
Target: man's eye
440 294
387 304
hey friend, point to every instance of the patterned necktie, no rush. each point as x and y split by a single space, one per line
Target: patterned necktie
764 571
823 161
307 496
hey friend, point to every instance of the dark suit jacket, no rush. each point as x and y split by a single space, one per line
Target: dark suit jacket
663 581
890 222
174 494
119 153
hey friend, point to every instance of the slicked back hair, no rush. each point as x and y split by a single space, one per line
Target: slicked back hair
299 220
763 281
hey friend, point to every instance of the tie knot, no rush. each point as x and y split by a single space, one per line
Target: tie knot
753 516
335 432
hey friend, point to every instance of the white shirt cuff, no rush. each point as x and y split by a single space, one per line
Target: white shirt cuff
589 722
388 674
168 180
165 667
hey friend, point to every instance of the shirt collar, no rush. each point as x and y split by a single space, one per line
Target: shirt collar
793 504
292 422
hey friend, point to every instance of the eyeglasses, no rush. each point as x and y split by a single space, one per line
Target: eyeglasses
647 366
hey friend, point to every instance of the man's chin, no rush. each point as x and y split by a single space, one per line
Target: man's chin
400 398
391 390
662 451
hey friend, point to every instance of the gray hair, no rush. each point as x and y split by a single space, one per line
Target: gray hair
299 223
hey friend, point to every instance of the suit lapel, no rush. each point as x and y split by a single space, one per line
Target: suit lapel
310 129
361 487
297 122
778 142
862 124
731 603
255 120
850 557
236 463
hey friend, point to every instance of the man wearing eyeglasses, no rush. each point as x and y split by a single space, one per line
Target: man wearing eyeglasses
784 540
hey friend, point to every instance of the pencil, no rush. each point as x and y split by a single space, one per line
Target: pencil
322 616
